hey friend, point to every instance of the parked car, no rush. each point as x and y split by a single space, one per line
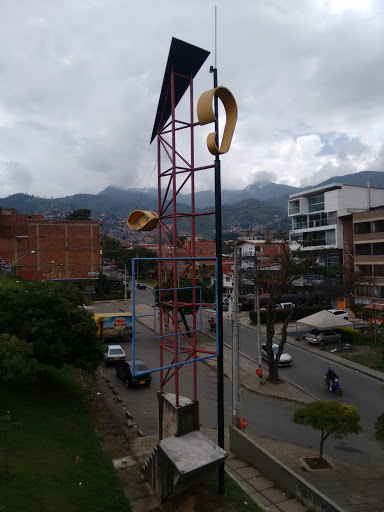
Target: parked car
141 286
226 305
114 354
285 305
340 313
285 358
321 337
125 371
281 305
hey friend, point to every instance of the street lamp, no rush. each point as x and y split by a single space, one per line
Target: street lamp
136 253
12 264
38 270
125 281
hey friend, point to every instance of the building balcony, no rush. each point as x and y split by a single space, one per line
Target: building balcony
312 224
371 259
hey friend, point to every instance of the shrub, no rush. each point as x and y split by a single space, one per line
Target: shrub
350 335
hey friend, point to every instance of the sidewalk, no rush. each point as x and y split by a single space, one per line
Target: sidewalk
352 488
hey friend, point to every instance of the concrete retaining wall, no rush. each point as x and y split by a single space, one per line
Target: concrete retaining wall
269 466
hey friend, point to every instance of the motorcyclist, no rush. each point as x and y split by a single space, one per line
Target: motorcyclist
212 323
329 377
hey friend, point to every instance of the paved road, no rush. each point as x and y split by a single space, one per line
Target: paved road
267 417
308 370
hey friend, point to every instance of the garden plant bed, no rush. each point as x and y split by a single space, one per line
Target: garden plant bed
317 463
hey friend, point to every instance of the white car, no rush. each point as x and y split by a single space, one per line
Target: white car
285 358
340 313
114 354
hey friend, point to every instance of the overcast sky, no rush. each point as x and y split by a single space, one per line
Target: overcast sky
80 82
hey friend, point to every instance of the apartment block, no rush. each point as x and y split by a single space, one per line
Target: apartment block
317 214
39 249
364 254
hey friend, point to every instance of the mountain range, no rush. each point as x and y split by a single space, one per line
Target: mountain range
261 203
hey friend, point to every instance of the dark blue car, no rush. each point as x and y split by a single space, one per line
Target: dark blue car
125 371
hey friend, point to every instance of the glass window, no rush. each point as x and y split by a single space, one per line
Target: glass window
315 238
378 270
364 270
378 226
116 352
362 228
333 258
365 290
316 203
293 207
378 248
300 222
318 220
363 249
331 237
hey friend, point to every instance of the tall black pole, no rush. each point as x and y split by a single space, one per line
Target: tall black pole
219 305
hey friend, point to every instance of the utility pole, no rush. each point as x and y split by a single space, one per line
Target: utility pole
258 311
235 342
125 284
256 274
219 284
125 279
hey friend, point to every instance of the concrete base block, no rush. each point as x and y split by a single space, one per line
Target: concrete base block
179 462
176 420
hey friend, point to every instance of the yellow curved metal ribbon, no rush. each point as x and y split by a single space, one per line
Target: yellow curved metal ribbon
206 115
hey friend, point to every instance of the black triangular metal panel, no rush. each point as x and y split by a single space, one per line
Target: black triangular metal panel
184 59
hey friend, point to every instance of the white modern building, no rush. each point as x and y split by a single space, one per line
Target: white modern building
260 251
317 213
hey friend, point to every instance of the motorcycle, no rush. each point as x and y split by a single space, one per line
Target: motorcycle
212 325
334 385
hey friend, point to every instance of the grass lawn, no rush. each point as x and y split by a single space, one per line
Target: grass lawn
368 355
50 426
11 281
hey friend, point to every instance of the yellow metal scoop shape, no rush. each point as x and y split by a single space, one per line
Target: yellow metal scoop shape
142 220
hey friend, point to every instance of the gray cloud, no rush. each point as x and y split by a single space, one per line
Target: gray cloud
80 82
263 176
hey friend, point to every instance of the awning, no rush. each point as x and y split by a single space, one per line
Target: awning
378 307
325 320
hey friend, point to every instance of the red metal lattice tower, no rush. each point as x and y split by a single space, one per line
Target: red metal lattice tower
176 171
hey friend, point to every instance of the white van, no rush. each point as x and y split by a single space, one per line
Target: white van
285 305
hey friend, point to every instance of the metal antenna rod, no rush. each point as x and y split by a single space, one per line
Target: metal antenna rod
216 36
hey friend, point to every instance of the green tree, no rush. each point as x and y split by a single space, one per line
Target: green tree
185 296
82 214
16 361
379 426
145 267
46 315
331 418
110 247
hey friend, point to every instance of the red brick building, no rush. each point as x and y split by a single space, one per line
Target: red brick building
66 251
